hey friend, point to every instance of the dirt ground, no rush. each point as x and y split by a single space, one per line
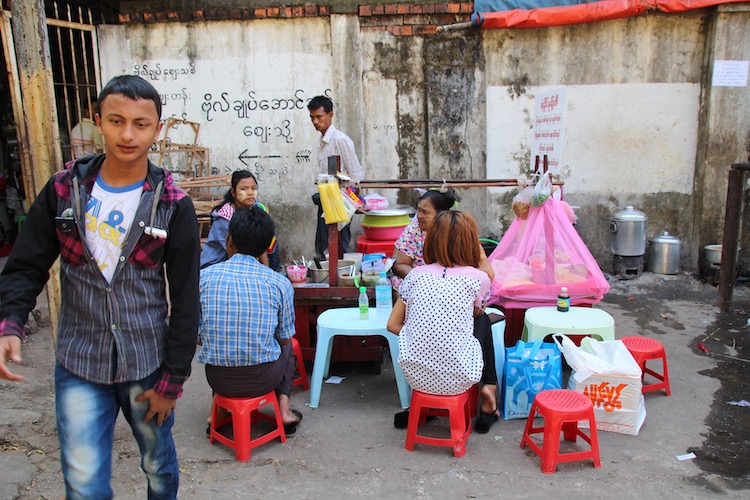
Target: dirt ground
348 447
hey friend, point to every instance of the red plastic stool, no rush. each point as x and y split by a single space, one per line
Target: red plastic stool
474 400
375 246
455 407
302 379
644 349
561 409
244 412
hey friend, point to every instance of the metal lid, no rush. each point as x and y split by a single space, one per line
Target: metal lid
629 214
665 238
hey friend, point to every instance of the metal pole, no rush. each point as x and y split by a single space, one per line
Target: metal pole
728 268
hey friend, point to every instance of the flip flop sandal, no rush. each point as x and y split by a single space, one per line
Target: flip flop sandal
290 429
484 421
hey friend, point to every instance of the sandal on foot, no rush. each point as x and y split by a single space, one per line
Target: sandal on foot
484 421
401 419
290 429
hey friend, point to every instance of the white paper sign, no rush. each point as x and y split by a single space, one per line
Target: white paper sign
549 127
730 73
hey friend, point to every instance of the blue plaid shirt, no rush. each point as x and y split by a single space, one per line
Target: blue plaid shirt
246 308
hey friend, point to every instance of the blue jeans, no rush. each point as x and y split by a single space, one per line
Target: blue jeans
86 415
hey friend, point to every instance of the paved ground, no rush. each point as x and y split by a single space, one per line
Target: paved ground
348 447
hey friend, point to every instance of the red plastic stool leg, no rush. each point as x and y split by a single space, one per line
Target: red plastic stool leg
302 379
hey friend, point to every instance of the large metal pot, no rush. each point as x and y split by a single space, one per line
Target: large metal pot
628 230
664 254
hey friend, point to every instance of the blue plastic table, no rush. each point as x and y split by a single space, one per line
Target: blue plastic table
345 321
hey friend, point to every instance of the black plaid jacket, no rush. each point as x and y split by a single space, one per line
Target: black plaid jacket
117 331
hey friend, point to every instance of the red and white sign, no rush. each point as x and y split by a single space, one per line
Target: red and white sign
548 130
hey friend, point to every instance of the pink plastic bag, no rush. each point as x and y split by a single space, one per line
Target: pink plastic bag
538 256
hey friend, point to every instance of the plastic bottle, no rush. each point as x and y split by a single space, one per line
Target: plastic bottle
383 296
563 300
364 304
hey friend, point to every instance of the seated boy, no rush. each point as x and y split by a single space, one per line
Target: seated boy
247 319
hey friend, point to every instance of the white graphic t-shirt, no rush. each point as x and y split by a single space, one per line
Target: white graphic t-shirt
109 213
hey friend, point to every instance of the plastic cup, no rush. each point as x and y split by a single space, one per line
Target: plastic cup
297 274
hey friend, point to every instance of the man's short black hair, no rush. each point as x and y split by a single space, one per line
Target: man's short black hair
132 87
320 101
252 230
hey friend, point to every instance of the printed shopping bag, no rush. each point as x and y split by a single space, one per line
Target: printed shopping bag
530 367
607 373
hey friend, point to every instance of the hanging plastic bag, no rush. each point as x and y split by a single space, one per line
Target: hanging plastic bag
332 202
349 207
606 373
522 202
542 190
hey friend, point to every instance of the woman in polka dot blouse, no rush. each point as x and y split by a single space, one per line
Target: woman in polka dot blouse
440 350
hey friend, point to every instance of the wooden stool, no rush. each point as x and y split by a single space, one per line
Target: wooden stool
644 349
302 379
457 408
244 412
561 409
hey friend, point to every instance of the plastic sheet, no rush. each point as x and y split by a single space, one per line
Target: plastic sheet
548 14
538 256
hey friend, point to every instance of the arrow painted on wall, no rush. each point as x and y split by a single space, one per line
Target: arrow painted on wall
244 156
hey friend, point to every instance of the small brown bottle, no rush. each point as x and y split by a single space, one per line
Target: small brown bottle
563 300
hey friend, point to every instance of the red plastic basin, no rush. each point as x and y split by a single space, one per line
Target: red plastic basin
383 233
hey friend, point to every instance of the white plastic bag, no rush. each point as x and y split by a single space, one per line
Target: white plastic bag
607 374
542 190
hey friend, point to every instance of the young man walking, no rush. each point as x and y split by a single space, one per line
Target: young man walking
124 232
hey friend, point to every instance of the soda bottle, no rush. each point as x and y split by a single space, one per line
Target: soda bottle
563 300
364 304
383 296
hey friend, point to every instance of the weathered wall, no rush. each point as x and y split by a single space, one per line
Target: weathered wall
724 133
644 126
631 126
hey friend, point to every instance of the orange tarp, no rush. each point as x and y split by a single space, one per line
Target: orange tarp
604 10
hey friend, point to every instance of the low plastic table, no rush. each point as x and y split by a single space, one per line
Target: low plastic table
345 321
542 321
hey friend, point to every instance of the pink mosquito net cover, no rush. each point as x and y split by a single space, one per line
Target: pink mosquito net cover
538 256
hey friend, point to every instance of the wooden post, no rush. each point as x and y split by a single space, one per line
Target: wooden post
728 269
40 139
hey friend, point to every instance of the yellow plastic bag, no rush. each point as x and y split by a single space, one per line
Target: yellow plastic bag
332 203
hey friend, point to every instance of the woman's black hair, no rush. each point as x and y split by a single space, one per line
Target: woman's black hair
441 201
237 176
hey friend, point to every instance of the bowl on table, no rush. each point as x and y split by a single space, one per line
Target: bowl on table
345 267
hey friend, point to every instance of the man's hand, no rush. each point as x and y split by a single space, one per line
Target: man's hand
158 406
10 350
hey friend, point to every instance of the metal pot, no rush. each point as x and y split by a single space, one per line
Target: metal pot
664 254
628 230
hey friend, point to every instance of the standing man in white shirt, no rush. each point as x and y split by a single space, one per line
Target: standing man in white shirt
332 143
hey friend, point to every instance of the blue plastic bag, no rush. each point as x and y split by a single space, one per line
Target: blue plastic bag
530 368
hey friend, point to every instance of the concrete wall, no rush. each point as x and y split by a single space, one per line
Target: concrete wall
643 125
